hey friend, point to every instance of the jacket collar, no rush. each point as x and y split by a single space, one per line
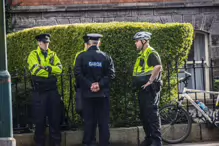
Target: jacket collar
93 48
144 53
40 51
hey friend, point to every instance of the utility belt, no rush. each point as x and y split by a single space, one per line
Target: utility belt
157 85
154 88
89 94
41 84
139 81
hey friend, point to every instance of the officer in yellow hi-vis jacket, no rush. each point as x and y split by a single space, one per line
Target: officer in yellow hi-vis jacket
147 81
44 65
78 89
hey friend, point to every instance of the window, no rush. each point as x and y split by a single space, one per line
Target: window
199 50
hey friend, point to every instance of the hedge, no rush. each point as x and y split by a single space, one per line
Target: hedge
172 41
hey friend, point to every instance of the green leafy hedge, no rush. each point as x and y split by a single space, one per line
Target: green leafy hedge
172 41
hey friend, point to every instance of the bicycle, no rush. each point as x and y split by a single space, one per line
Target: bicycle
175 114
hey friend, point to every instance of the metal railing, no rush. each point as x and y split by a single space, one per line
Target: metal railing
202 72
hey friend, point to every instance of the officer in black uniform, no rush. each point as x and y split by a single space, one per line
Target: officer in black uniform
94 69
78 96
44 65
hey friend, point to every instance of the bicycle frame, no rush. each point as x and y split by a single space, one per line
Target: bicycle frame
185 95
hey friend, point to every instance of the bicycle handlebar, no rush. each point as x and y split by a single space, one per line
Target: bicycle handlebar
188 75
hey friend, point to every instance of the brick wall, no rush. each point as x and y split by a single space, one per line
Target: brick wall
72 2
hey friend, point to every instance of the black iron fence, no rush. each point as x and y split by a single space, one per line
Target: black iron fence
203 77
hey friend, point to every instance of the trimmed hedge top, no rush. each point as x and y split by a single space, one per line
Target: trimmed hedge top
172 41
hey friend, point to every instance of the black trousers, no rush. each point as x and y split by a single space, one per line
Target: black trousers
149 115
79 110
96 111
47 104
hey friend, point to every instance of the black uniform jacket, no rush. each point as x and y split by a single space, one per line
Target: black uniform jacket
92 66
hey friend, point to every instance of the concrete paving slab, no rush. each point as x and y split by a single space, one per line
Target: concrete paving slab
196 144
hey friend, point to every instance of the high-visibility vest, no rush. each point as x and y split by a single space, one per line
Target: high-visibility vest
141 67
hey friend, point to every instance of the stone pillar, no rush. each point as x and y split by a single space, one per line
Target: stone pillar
7 142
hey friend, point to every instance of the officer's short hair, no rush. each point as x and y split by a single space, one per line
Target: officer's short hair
93 37
45 37
94 42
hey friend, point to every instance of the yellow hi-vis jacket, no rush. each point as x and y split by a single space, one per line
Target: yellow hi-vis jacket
37 59
141 67
76 56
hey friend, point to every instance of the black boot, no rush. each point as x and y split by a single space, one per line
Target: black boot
146 142
94 143
156 143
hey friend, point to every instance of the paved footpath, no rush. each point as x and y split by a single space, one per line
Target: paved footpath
182 144
196 144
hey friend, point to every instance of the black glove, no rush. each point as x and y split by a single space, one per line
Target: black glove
48 68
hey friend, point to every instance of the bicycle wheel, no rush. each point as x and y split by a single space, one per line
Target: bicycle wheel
175 124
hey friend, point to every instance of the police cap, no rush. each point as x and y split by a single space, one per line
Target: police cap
43 38
92 36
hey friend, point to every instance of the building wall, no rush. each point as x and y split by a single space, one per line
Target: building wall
73 2
203 14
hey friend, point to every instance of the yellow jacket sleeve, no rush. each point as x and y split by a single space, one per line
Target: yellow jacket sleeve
57 66
34 66
76 56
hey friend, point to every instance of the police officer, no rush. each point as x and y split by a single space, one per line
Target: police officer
44 65
79 98
147 81
94 69
78 89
